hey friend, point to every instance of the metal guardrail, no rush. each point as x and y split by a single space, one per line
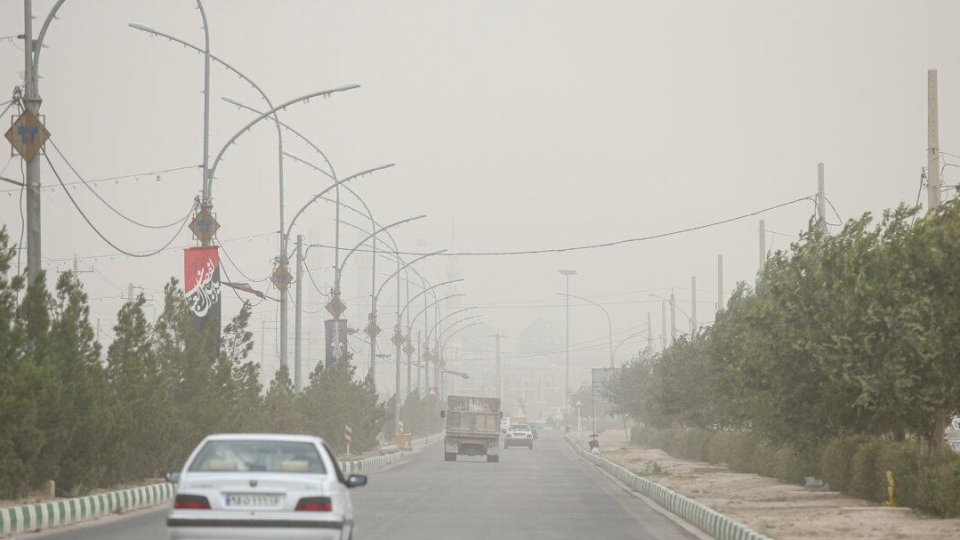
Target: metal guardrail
697 514
35 517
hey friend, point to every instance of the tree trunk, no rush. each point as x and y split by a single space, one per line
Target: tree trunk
899 434
939 435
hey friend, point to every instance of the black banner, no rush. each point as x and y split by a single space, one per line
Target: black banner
335 339
201 285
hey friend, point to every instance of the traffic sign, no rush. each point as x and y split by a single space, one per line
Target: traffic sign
336 307
578 405
348 433
281 277
372 330
409 349
204 225
27 135
397 339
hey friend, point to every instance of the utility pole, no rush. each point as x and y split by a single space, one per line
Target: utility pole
673 317
933 143
263 341
763 244
693 306
566 374
821 200
129 292
719 283
663 325
407 347
649 333
32 102
298 322
499 381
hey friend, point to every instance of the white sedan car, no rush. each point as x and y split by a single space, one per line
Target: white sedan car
262 486
518 435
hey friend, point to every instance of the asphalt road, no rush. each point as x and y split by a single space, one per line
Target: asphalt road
544 493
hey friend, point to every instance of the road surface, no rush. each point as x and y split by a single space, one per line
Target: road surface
544 493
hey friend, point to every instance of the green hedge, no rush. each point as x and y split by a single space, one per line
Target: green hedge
854 465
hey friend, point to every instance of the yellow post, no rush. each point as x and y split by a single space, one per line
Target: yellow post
891 485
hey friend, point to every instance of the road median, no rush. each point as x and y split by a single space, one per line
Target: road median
706 519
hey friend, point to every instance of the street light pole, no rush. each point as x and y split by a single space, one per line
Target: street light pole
566 375
605 312
32 101
396 400
297 325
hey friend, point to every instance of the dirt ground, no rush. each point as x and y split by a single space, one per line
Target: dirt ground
780 511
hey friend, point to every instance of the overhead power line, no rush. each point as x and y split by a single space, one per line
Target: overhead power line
107 240
593 246
178 221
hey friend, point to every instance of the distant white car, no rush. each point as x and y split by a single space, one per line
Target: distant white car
518 435
504 424
262 486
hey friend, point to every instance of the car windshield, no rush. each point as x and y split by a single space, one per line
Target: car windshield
520 427
266 456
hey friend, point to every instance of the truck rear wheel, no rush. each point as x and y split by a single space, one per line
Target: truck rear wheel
449 456
493 459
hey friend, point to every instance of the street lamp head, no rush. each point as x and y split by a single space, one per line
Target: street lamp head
568 272
143 27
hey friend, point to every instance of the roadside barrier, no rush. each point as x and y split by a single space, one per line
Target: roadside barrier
40 516
374 463
699 515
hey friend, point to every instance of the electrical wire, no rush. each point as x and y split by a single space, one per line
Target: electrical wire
122 177
104 238
107 204
103 256
594 246
919 191
835 212
235 265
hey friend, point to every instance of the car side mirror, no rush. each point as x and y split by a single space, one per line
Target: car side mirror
173 477
443 414
356 480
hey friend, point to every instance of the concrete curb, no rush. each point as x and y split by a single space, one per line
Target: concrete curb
699 515
372 464
40 516
45 515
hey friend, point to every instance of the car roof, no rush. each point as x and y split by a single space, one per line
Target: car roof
284 437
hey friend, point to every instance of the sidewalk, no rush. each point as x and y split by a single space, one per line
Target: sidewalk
780 511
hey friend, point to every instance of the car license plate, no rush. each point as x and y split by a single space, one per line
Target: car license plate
252 501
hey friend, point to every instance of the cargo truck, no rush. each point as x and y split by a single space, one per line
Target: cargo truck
472 427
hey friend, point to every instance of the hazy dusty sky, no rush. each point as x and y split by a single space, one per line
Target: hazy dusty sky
530 125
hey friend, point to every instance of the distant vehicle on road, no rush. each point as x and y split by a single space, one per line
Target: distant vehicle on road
518 435
262 486
473 427
505 424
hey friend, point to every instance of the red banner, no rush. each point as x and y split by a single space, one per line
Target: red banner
201 286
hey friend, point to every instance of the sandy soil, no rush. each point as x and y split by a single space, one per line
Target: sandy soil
780 511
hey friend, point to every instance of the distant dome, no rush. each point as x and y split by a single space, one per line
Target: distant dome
540 336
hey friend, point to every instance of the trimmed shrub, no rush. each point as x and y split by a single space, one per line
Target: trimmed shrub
836 462
694 445
946 492
791 466
661 439
900 458
764 460
864 478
